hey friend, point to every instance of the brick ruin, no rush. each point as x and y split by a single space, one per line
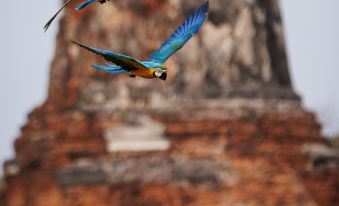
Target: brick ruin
226 128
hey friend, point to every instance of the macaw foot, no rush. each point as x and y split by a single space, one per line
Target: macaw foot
132 75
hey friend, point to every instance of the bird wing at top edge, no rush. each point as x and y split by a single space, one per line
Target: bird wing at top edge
84 4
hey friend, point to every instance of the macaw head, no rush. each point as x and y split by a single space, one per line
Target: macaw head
160 73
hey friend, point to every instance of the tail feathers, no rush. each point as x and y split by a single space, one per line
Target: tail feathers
110 65
55 15
110 69
84 4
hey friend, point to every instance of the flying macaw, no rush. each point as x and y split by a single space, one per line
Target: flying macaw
154 67
79 7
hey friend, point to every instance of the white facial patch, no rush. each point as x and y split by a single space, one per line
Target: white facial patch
158 73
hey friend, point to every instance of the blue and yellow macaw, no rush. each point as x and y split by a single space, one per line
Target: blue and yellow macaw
154 67
78 8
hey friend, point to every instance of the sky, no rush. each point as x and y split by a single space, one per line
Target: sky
311 31
25 55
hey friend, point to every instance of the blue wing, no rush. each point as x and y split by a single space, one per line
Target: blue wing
110 68
84 4
55 15
127 62
181 35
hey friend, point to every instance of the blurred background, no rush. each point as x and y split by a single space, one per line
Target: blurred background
311 32
311 29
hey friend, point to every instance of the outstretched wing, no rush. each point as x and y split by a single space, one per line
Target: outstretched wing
127 62
181 35
110 68
55 15
84 4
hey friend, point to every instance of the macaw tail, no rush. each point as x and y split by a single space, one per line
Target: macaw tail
55 15
84 4
110 68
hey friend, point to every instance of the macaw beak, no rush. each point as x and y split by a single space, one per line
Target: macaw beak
163 76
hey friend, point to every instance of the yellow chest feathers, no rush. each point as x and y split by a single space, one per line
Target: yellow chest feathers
144 73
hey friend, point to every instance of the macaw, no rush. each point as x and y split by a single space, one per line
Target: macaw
154 67
78 8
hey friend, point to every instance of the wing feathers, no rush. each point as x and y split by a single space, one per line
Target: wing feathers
84 4
129 63
182 34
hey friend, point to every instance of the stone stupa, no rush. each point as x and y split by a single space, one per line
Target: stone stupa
226 128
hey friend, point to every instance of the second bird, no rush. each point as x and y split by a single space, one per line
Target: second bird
79 7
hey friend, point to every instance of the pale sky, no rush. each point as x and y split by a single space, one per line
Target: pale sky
311 31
